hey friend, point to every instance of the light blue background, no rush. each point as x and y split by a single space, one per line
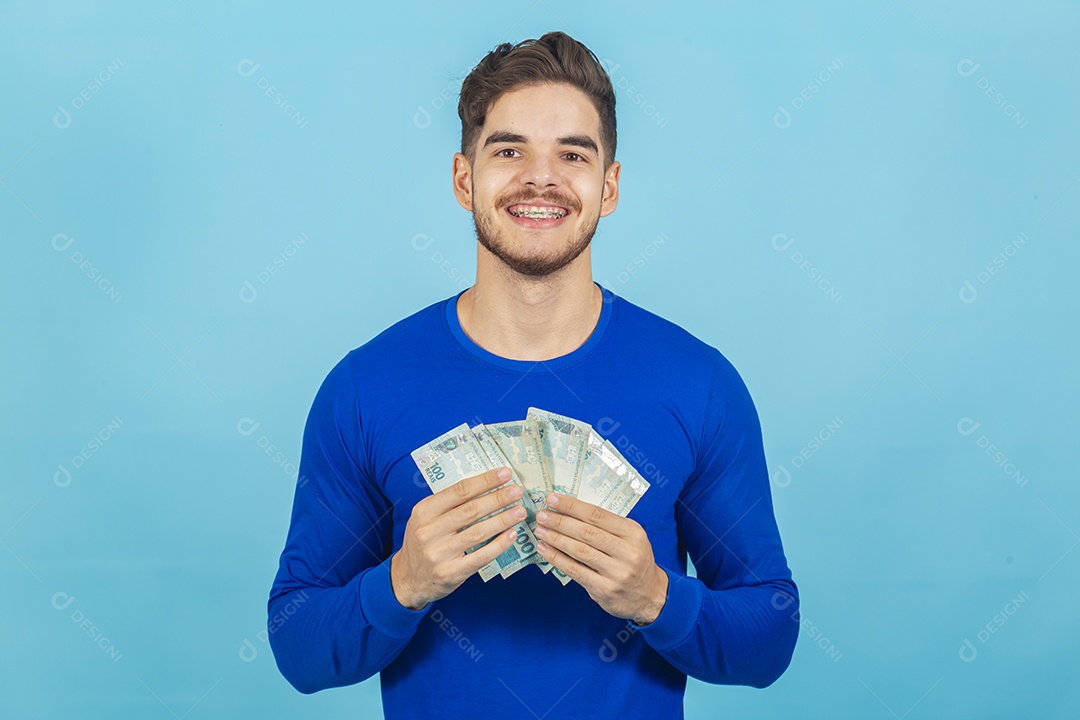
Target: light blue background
895 177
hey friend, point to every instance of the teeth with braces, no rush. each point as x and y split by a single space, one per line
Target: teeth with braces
537 215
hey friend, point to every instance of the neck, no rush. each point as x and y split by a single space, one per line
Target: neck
526 318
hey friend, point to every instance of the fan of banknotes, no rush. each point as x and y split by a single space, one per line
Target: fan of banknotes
545 452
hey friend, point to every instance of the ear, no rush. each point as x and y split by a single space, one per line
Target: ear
461 173
611 190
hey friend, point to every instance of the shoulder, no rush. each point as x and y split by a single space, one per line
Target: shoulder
405 338
391 349
693 375
671 346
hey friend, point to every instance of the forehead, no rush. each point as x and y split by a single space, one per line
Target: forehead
546 111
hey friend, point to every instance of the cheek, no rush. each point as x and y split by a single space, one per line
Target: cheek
590 192
487 192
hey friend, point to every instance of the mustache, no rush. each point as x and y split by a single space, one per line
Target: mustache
542 198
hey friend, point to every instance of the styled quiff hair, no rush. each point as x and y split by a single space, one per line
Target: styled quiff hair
554 57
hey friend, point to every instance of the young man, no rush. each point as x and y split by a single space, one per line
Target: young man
374 577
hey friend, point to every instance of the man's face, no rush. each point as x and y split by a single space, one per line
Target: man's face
539 149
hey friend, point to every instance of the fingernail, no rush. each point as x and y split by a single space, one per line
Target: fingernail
542 516
519 512
504 473
541 531
553 499
514 491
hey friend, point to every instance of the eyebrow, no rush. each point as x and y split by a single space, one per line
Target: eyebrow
582 141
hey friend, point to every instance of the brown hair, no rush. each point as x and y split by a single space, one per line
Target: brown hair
554 57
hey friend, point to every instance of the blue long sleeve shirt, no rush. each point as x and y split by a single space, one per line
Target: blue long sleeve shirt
678 411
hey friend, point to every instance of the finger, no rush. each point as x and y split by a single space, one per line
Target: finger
487 529
589 513
566 525
464 515
469 564
577 550
582 574
465 490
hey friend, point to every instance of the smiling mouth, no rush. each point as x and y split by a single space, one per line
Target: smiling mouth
537 212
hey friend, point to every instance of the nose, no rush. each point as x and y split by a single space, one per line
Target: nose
541 170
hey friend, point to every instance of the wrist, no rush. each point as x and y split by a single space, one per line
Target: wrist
657 597
400 586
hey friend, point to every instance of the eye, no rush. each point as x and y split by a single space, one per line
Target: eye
499 153
580 158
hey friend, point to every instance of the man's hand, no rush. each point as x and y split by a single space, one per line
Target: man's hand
431 562
610 556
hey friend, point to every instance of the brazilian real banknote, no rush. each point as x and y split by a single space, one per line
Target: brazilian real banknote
456 455
545 452
587 466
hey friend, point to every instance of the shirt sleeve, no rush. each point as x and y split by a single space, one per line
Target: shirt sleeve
737 622
333 618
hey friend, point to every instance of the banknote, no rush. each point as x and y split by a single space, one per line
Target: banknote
520 442
545 452
524 444
497 458
563 441
454 456
607 480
